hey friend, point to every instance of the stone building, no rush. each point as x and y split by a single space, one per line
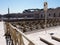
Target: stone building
52 13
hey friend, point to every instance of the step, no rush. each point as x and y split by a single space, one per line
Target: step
48 40
56 37
36 40
45 41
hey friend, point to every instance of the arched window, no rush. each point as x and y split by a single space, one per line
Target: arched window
49 14
59 14
41 16
54 15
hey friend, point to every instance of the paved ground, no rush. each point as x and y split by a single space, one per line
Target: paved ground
2 38
36 35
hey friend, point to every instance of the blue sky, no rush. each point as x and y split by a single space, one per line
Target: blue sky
17 6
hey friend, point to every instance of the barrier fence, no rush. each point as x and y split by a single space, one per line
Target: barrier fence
14 36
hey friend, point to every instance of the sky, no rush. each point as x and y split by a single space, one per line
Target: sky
17 6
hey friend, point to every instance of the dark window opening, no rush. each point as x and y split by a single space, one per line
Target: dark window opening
54 15
49 14
41 16
59 14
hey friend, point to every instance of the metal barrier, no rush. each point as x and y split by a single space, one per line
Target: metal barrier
15 36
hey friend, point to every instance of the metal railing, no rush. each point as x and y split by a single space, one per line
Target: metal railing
16 35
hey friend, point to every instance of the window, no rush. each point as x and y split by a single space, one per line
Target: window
54 15
59 14
41 16
49 14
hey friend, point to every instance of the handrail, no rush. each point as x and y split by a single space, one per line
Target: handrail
22 34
